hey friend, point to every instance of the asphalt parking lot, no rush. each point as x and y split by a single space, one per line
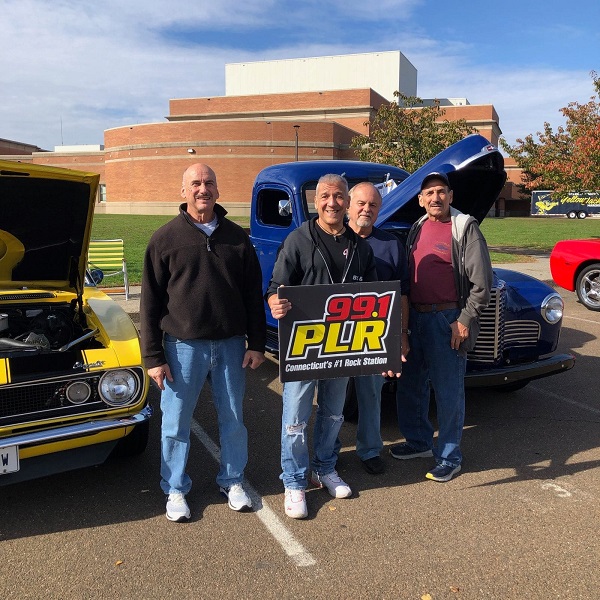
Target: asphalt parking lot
521 520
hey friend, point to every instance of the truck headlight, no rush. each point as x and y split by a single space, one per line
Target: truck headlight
119 387
552 308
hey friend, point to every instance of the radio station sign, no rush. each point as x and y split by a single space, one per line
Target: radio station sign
340 330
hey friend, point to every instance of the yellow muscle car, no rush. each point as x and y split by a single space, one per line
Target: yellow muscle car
72 385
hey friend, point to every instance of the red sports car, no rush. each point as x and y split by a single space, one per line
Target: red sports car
575 266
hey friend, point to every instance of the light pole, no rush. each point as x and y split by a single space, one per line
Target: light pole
296 127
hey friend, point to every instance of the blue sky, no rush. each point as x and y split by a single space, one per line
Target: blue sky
69 69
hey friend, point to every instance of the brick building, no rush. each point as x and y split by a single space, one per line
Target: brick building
10 148
238 135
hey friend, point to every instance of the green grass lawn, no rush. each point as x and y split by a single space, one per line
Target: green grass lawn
508 238
537 233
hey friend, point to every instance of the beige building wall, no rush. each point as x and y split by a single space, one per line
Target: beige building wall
384 72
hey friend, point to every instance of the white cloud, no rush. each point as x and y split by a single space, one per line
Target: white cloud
96 65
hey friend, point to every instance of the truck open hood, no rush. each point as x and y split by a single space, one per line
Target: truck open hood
475 169
45 223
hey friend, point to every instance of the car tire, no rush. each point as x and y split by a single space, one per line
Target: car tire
587 287
135 443
571 214
581 214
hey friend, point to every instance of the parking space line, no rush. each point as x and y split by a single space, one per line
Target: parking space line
580 319
292 547
564 399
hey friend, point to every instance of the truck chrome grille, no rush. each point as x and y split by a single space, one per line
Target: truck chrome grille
497 335
521 333
489 346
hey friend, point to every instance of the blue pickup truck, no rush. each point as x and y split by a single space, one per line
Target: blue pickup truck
521 326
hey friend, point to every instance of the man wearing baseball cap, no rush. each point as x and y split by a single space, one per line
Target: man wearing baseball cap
450 285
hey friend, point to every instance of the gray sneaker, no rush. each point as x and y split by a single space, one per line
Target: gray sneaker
333 483
177 508
237 498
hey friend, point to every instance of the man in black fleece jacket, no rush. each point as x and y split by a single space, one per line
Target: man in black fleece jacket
201 297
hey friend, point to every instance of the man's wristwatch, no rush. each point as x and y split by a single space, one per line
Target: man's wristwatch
405 330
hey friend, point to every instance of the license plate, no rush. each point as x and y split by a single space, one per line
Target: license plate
9 459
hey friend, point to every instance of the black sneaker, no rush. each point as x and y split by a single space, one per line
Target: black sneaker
403 451
374 465
443 473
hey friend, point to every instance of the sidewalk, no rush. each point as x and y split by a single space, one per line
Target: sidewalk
131 306
539 267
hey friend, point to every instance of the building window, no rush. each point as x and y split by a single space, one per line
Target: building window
102 193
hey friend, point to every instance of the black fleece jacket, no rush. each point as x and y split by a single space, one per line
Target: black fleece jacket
200 287
300 260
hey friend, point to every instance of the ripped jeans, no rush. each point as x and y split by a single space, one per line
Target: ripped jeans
297 409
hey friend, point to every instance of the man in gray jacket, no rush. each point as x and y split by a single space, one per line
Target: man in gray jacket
450 285
321 251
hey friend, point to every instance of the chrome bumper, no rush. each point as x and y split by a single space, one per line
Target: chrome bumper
78 430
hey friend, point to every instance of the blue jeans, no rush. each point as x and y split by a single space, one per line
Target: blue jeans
297 409
368 433
431 359
191 363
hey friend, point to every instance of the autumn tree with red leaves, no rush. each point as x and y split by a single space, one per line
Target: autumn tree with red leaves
567 160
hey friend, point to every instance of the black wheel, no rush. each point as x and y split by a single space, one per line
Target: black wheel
351 404
588 287
571 214
581 214
135 443
512 387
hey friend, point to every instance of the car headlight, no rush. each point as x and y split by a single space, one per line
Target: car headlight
119 387
552 308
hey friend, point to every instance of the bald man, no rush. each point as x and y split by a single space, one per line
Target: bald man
202 316
390 263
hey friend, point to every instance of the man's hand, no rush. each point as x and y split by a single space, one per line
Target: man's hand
158 374
391 374
459 334
405 351
253 359
405 346
279 306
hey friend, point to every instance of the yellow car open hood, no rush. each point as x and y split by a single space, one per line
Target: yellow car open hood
45 224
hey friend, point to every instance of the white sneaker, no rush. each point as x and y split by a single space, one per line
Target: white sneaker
335 485
295 504
177 508
237 497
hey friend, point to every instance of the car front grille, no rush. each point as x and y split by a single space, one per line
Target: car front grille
29 402
489 344
496 335
521 333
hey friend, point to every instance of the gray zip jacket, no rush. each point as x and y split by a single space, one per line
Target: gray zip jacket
473 274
